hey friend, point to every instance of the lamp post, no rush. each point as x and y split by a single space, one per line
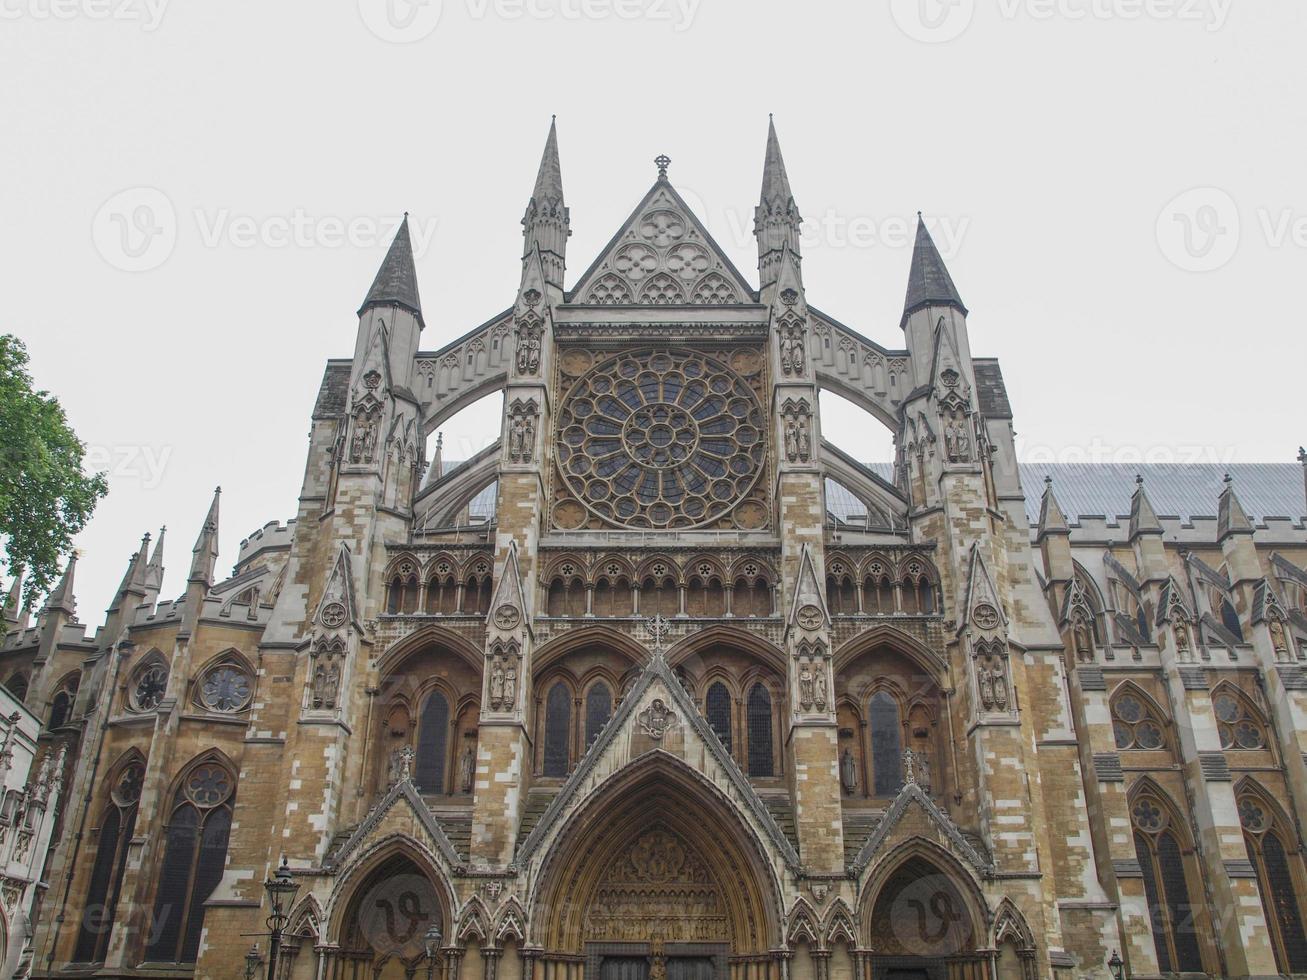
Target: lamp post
281 889
252 961
1117 966
431 943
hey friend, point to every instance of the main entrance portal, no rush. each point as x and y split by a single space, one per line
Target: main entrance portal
641 961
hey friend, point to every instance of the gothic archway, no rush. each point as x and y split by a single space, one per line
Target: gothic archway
656 871
922 912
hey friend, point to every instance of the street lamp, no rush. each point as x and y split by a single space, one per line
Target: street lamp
431 943
252 961
1116 965
281 889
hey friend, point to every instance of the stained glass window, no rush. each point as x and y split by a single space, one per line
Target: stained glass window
558 723
433 739
761 754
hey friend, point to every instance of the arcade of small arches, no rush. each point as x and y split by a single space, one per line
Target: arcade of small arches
701 587
877 584
445 585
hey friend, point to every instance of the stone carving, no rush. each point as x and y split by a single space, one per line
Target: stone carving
848 772
992 678
1183 649
793 348
810 617
957 437
819 686
326 683
522 417
985 616
657 719
506 617
503 676
363 444
401 764
657 890
798 440
805 686
1083 642
1278 640
467 767
528 344
333 615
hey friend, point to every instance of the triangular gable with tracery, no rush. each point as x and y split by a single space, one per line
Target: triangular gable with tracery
401 811
662 256
656 716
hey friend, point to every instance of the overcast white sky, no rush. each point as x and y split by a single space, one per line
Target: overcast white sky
1117 186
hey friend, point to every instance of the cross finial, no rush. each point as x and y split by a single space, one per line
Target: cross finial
658 627
662 162
1139 479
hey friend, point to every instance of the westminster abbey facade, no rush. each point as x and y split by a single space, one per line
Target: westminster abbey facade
664 686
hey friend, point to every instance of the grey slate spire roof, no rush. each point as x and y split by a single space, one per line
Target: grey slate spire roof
397 279
929 283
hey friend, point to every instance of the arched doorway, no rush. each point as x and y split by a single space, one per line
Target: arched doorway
385 920
656 879
922 923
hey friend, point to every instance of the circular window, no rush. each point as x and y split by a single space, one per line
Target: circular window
128 788
661 439
151 685
225 688
1148 815
208 785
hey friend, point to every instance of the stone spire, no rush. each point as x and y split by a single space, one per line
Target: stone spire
204 556
929 283
776 220
546 224
1143 519
397 279
61 598
154 569
1231 518
1051 518
438 460
13 608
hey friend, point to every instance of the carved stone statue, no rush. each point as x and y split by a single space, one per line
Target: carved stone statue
805 687
466 768
819 688
522 432
848 773
986 683
1278 639
496 683
510 686
1000 688
1183 652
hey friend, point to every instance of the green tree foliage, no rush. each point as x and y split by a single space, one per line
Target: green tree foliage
45 498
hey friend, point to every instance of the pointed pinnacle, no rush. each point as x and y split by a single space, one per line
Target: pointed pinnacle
396 283
205 553
775 181
1143 519
1051 518
549 178
1231 518
929 283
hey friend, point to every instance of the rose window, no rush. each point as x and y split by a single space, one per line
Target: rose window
661 439
208 785
225 689
151 685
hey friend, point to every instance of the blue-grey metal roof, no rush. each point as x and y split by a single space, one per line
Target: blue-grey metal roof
1180 490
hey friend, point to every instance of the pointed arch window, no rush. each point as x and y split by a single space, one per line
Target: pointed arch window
1229 615
61 705
761 751
148 686
17 686
718 709
116 827
558 723
1134 725
1238 725
195 851
1281 896
1166 887
598 709
886 744
433 743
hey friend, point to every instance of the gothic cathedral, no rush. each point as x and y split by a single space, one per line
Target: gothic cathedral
664 686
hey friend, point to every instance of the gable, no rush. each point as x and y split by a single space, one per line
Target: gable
662 256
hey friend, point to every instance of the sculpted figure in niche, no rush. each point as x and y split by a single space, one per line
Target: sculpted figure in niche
466 768
510 686
805 686
1278 640
496 683
848 773
1183 651
521 437
999 672
326 683
986 682
1084 648
819 686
